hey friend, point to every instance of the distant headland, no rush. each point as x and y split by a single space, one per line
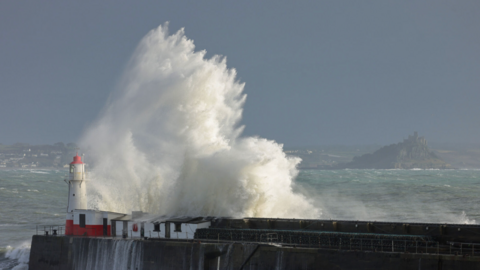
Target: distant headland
24 155
412 153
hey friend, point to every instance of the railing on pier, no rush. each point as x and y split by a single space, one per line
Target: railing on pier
341 241
467 249
50 230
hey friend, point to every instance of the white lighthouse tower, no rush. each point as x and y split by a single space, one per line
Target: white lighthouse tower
77 191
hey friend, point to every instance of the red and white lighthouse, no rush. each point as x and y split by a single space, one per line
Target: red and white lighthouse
77 191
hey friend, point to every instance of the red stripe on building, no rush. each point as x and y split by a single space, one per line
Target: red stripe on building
90 230
69 227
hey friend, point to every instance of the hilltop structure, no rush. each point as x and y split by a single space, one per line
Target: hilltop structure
411 153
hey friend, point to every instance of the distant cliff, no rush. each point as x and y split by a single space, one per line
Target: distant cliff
411 153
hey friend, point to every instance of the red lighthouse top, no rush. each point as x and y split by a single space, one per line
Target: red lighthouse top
77 159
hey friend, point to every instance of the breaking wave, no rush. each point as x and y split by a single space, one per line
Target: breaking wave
465 220
169 142
16 258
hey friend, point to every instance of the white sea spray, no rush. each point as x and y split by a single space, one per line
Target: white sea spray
169 141
464 219
19 256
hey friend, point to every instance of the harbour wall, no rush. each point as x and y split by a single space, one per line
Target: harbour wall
66 252
467 233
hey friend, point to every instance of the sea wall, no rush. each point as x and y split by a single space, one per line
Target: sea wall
467 233
63 252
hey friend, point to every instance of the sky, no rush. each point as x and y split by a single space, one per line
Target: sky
316 72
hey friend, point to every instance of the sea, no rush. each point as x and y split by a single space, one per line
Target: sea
31 199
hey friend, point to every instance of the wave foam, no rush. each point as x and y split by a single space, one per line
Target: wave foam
39 171
168 141
18 257
465 220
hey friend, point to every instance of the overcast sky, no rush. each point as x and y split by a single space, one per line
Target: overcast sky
317 73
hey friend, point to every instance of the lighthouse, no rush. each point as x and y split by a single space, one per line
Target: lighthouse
77 191
93 222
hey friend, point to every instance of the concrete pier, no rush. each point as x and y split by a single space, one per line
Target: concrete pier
66 252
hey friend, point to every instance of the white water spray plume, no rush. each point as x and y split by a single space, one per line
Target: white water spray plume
168 141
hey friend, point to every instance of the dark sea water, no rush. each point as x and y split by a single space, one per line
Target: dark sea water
29 198
443 196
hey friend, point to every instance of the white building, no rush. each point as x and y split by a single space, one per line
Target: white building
141 225
88 222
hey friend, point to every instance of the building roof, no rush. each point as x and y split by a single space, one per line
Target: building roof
98 211
190 220
123 218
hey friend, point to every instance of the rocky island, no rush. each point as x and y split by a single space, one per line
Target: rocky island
411 153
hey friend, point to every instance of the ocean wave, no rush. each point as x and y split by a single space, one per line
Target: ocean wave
18 257
8 225
465 220
183 111
37 171
47 213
